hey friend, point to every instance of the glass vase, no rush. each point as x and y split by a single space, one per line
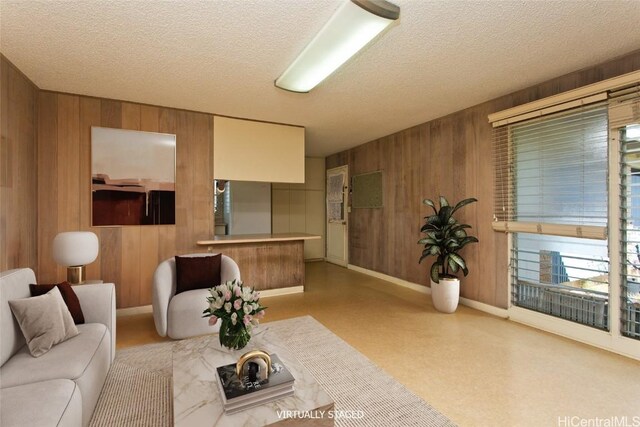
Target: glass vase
234 337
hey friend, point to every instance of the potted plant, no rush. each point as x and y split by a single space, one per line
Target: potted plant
445 238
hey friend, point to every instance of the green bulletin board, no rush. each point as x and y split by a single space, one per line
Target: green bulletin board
366 190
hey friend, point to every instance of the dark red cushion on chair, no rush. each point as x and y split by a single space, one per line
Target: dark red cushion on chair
68 295
197 272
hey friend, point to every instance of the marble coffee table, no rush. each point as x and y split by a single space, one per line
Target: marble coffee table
197 401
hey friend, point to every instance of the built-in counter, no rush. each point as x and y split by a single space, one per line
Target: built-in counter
257 238
266 261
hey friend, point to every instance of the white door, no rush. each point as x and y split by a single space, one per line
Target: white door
337 233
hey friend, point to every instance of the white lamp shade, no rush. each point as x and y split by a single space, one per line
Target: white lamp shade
75 248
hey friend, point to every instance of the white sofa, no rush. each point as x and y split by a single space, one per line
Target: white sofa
180 316
61 387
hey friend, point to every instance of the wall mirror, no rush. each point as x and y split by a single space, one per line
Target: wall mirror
133 177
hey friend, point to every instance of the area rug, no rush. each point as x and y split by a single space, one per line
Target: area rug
138 390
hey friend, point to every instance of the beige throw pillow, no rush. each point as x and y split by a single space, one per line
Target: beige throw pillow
45 321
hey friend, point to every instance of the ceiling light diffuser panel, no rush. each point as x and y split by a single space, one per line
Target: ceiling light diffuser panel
352 27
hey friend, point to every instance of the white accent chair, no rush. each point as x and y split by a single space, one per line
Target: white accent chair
180 316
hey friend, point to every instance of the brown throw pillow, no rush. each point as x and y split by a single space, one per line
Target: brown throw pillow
68 295
44 320
197 272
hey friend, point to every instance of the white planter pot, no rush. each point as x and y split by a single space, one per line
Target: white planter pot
445 295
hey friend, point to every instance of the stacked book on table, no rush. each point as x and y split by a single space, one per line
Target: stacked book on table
239 394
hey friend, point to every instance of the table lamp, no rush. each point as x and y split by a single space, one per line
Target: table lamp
74 250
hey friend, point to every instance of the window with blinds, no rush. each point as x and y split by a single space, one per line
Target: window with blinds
551 174
567 190
551 187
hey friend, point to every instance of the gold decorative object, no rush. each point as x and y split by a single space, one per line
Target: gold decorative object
247 357
75 274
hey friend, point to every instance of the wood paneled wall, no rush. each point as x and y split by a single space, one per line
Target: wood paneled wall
128 255
18 169
450 156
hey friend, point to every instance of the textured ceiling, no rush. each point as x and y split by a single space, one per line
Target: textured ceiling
222 56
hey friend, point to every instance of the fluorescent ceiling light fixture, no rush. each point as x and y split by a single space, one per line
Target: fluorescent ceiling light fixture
352 27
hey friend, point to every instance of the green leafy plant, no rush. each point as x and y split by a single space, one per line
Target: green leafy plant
445 237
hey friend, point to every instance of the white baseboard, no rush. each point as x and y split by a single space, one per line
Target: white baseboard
281 291
496 311
130 311
394 280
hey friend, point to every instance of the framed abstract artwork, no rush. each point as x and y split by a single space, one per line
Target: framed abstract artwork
133 177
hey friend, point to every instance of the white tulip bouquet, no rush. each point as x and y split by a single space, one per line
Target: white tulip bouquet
238 308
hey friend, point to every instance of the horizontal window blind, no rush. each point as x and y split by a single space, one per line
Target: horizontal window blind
586 231
630 224
562 276
551 174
